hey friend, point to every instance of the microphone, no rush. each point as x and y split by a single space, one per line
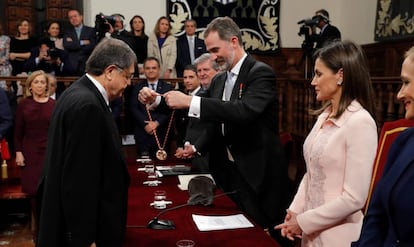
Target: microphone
159 224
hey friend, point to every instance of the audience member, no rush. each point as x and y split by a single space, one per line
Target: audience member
163 46
206 69
6 116
20 46
192 87
189 47
52 92
195 133
246 155
78 41
137 25
49 59
84 184
53 32
339 151
119 31
30 137
151 124
140 48
5 66
388 220
328 32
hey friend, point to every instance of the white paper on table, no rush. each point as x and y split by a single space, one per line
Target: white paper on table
211 223
128 140
185 179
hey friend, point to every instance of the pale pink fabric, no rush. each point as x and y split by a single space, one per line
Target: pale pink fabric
339 156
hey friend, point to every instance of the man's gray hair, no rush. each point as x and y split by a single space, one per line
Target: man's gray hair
225 27
206 57
110 52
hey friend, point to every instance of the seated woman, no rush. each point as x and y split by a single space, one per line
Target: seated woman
388 220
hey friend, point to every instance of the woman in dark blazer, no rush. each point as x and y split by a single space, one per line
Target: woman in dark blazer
389 218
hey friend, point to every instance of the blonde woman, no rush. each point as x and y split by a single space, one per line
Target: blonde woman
31 127
162 45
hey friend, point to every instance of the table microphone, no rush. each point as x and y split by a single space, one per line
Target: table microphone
158 224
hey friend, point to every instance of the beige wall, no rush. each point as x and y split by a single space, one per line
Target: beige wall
354 18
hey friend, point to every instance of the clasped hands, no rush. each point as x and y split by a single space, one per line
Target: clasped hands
290 227
174 99
151 126
185 153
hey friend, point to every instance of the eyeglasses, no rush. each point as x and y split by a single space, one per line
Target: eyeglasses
126 75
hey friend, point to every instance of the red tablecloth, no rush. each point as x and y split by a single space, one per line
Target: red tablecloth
140 213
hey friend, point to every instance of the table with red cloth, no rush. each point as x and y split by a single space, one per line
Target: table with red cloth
140 213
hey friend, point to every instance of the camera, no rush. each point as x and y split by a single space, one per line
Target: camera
102 23
53 53
308 23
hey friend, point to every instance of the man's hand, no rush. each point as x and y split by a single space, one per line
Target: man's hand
147 95
179 153
177 100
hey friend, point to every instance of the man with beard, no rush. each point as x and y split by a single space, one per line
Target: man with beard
241 110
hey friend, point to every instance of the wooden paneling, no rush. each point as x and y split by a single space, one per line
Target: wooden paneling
34 11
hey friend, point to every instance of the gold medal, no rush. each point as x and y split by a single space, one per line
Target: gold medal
161 154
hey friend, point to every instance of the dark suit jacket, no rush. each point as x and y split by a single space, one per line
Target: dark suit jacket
389 218
145 141
64 70
77 53
183 52
84 185
330 34
251 134
196 132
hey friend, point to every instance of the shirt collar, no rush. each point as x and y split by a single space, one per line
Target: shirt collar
353 107
236 69
195 91
100 88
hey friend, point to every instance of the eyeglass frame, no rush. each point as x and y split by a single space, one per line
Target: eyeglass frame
130 77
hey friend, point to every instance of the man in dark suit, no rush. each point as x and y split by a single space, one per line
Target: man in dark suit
83 191
79 41
189 47
49 59
195 134
246 154
151 124
327 33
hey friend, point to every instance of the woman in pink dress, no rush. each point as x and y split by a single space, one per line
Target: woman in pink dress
339 152
31 128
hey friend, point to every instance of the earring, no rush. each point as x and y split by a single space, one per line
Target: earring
339 82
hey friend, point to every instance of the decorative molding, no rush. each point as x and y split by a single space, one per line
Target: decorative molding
258 20
394 20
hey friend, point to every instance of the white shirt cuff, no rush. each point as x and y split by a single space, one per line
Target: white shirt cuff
195 106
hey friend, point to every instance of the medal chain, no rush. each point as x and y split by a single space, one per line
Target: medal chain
155 131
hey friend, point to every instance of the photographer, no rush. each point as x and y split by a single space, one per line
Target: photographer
49 59
327 32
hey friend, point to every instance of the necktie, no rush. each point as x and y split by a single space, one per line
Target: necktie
191 47
153 86
228 88
78 31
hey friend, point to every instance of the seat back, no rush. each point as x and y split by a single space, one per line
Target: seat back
389 132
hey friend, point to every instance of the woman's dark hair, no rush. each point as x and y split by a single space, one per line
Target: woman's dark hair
357 84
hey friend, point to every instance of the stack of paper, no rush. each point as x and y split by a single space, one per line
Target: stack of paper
210 223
